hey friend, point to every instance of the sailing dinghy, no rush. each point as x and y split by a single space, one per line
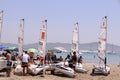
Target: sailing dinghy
2 62
60 68
102 50
42 51
33 69
75 47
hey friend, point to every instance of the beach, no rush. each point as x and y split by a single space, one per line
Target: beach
114 75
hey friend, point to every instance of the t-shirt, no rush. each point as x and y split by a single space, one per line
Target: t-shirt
25 58
69 60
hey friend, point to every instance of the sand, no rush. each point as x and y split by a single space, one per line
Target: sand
114 75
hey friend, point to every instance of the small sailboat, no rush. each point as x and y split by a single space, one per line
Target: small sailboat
20 42
36 69
63 66
2 62
17 65
75 48
102 50
60 68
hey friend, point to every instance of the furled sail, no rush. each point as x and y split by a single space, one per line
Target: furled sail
21 37
43 39
103 40
75 39
1 22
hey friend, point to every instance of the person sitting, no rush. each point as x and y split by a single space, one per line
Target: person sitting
80 59
69 60
60 59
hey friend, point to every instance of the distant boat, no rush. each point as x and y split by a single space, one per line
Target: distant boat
102 50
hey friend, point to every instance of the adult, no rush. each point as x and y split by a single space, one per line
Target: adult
80 59
48 57
69 60
9 63
61 58
31 54
74 60
54 58
25 60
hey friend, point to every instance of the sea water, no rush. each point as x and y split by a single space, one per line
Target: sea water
93 58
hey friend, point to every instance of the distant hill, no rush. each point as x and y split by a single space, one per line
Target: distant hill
85 46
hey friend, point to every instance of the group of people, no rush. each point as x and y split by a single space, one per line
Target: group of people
73 60
51 58
27 58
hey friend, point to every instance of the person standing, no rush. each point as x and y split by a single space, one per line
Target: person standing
25 60
48 57
74 59
9 63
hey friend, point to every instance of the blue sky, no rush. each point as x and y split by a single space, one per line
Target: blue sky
61 16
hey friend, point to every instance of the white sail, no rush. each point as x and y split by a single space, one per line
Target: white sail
75 39
102 49
103 40
1 22
21 37
43 39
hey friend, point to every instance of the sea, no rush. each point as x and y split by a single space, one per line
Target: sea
89 57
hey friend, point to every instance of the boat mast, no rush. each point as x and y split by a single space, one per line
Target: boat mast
21 37
1 23
106 40
43 42
75 40
102 47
